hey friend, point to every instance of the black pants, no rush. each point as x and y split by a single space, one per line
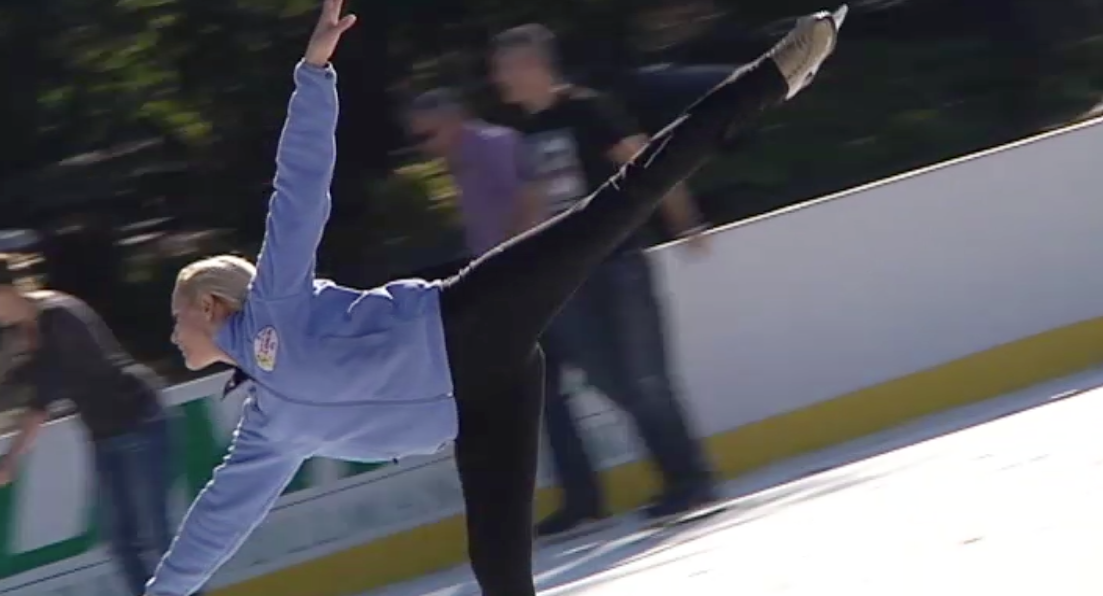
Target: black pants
495 310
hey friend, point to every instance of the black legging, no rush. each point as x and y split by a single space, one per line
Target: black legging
495 310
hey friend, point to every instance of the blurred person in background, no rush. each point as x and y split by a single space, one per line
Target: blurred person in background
685 32
485 162
612 328
71 355
677 50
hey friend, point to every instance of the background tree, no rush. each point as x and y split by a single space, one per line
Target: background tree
140 133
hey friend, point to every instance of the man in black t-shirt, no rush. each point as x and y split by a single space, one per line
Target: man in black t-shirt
71 355
612 328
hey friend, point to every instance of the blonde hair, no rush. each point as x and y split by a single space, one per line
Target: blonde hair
225 277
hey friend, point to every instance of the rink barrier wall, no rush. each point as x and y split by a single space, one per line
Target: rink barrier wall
803 329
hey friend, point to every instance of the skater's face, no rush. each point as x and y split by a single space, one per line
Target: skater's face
521 74
197 319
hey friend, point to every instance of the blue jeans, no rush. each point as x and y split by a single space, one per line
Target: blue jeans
134 476
613 330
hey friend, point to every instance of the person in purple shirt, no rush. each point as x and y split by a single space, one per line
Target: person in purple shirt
486 163
415 366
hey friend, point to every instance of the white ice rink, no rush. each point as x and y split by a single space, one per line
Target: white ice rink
998 499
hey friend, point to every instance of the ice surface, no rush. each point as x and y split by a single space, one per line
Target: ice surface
998 499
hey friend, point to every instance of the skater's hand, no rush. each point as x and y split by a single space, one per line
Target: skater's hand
331 25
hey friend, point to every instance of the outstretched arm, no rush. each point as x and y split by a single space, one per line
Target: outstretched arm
239 495
300 205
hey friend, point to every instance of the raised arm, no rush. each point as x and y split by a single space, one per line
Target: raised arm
239 495
300 206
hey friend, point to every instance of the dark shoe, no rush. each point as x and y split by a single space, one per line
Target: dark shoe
566 523
675 503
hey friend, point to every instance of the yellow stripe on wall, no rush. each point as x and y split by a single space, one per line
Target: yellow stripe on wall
981 376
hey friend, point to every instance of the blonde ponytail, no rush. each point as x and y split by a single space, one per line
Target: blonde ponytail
225 277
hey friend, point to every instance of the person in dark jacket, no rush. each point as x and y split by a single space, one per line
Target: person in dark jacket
69 354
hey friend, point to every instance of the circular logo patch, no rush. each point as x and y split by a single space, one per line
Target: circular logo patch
265 346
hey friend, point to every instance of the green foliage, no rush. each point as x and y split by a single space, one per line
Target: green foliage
908 96
431 178
920 81
418 200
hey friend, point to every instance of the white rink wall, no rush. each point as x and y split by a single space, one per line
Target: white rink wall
788 310
827 298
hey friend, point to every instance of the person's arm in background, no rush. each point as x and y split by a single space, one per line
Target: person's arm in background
30 423
515 169
43 375
678 208
623 139
530 208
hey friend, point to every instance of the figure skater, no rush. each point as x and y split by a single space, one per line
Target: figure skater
413 366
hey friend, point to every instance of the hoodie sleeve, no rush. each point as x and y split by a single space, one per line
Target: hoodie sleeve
300 206
241 492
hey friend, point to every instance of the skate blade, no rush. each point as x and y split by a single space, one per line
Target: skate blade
840 15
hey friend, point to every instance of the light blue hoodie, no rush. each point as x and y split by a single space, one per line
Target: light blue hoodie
337 372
